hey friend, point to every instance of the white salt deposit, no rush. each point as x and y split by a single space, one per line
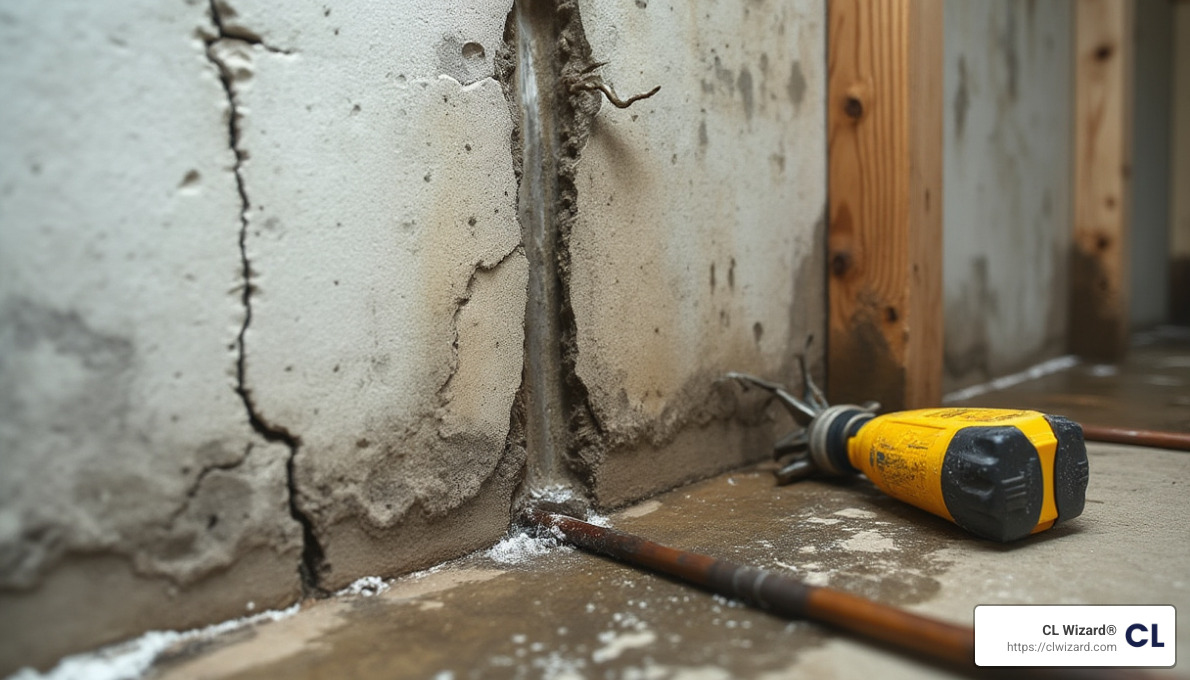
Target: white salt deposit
129 660
521 547
855 513
616 644
1040 370
366 586
868 541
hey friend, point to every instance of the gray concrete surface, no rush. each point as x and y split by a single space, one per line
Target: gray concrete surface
699 240
1152 134
264 288
567 614
1007 154
127 456
386 338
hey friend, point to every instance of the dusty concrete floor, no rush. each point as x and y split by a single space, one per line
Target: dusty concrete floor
1150 389
566 614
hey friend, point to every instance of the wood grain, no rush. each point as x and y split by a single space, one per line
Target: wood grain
885 235
1102 197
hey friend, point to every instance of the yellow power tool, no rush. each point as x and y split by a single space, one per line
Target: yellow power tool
998 473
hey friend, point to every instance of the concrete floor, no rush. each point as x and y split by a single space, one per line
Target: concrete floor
566 614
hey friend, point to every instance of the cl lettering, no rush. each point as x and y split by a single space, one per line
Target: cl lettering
1140 627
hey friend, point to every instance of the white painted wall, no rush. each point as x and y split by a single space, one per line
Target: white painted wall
1007 168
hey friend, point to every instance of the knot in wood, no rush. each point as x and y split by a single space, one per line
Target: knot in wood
853 107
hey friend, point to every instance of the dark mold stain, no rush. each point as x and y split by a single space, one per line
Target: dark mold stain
744 84
796 87
1179 292
702 134
966 348
962 99
1098 326
862 366
1006 44
724 75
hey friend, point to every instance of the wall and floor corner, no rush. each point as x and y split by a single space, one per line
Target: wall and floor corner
264 287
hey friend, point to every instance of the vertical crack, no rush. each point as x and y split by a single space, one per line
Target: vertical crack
545 51
313 558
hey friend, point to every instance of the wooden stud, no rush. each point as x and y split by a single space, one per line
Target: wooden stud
1098 326
885 235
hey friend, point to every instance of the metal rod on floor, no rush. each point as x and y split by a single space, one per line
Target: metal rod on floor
776 593
938 641
1123 435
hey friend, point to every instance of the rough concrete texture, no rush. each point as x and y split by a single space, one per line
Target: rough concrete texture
365 187
567 614
1007 155
134 491
386 337
698 242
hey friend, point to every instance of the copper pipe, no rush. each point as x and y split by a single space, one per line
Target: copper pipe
951 645
776 593
1122 435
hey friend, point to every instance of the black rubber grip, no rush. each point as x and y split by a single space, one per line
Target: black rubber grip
1071 470
992 482
843 427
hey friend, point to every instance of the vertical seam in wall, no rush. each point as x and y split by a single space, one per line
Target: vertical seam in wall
544 47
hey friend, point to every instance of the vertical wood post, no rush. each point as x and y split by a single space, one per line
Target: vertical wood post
1102 158
885 235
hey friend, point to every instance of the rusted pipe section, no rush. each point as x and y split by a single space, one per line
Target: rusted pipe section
781 595
1123 435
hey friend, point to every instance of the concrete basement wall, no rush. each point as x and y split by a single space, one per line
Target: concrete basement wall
700 240
263 288
1149 265
1007 161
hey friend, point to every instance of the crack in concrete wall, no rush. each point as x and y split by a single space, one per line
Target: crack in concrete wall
545 49
313 561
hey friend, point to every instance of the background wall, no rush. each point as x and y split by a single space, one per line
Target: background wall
1179 194
1150 247
263 288
1007 175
